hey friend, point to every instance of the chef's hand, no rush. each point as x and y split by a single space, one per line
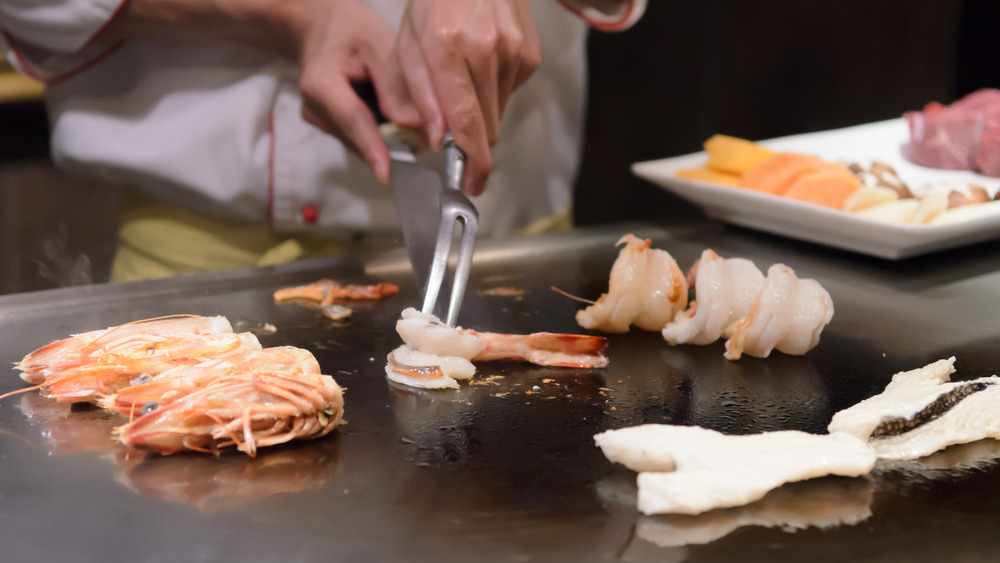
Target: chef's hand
341 42
462 59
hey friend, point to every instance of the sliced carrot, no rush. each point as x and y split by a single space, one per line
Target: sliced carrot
733 155
776 174
829 185
709 175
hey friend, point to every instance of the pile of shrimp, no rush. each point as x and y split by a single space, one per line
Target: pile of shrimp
189 383
733 299
436 356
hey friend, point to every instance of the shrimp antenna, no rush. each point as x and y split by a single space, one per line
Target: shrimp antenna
571 296
19 391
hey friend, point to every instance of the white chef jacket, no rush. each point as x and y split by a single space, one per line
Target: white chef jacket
219 128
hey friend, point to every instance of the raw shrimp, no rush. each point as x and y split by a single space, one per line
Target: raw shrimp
248 411
647 289
435 355
325 291
104 374
153 391
789 314
725 290
80 349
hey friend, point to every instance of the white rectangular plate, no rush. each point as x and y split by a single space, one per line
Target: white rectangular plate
883 141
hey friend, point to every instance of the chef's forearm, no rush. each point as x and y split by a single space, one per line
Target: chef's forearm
274 25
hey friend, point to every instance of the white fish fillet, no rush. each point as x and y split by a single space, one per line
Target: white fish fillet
646 289
974 417
690 470
821 503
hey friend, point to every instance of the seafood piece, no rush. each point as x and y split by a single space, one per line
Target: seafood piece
921 411
106 373
435 355
647 289
690 470
543 349
789 315
819 503
325 291
725 292
81 349
248 411
153 391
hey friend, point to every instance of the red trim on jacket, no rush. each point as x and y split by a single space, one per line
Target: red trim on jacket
28 68
270 170
603 26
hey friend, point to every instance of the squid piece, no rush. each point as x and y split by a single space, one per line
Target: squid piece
789 315
647 289
725 290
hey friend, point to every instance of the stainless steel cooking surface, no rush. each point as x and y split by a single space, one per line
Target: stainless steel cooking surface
506 469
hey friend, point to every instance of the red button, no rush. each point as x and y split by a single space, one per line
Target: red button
310 213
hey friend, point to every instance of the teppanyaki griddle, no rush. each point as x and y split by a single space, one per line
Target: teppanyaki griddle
505 469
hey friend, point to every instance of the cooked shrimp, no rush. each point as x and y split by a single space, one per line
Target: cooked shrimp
325 291
789 314
544 349
248 411
725 290
647 289
153 391
104 374
81 349
436 355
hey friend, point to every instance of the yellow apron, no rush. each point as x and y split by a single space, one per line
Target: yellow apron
157 240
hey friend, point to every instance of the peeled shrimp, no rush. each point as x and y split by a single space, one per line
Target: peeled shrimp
725 290
647 289
81 349
788 315
436 355
323 292
248 411
154 391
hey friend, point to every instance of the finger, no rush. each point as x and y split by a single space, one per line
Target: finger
332 102
418 81
394 97
531 46
464 118
483 66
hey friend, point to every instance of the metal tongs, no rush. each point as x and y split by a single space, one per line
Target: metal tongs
456 209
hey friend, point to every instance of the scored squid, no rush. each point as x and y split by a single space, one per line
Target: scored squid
435 355
646 289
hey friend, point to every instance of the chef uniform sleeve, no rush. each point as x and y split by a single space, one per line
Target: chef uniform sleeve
607 15
51 40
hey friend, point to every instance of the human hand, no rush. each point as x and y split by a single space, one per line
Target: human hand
340 42
462 59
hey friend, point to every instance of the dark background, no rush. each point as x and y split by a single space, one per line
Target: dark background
689 69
